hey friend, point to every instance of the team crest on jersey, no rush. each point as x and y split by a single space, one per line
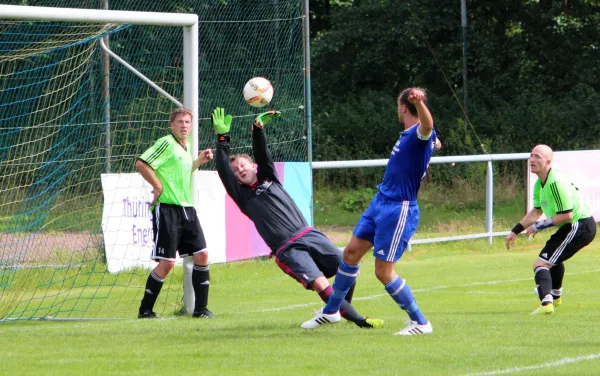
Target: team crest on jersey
262 187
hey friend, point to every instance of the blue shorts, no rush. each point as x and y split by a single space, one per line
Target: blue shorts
389 225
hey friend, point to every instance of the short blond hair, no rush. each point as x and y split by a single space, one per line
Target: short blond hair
233 158
179 111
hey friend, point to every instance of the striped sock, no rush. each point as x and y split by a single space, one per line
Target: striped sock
153 286
557 272
544 282
556 293
344 279
402 295
201 283
346 310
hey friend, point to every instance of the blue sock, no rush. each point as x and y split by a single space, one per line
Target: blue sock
344 280
400 292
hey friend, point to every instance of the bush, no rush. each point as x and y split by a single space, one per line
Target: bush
357 201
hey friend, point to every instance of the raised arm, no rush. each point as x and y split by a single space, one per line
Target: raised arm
204 156
221 125
224 170
417 97
262 155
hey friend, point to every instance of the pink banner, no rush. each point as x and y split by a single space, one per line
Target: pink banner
242 239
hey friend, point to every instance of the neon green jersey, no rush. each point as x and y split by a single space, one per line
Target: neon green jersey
558 195
173 167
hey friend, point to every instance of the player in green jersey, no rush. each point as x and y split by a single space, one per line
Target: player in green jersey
560 201
168 167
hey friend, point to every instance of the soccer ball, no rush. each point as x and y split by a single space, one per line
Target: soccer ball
258 92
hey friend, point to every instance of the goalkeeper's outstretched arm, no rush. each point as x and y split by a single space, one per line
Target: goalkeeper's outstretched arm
262 155
230 182
221 125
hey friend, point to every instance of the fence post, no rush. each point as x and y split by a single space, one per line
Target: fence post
489 201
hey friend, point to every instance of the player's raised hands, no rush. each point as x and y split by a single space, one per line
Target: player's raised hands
416 96
203 157
262 119
221 122
206 155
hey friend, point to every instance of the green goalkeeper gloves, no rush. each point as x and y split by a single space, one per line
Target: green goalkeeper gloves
221 122
262 119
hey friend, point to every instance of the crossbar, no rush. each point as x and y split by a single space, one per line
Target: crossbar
21 12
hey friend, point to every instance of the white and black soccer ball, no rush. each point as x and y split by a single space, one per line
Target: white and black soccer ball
258 92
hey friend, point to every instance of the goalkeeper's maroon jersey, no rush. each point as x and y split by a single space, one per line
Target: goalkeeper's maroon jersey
275 214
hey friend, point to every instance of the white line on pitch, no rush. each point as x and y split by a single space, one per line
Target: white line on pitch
539 366
415 290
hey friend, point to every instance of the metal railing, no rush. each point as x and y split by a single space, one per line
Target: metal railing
489 187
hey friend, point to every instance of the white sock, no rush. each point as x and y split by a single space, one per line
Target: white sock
547 299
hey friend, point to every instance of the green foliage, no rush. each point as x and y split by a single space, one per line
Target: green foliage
356 201
446 210
533 76
367 122
355 127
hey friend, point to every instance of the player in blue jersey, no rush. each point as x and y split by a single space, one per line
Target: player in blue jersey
392 217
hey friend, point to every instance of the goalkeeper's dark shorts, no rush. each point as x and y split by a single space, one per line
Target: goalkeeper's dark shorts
308 256
176 229
568 240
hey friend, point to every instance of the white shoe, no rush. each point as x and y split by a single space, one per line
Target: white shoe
321 319
414 328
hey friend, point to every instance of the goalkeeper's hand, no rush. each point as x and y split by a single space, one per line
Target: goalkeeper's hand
262 119
221 122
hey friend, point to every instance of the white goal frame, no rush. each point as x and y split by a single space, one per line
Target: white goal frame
189 22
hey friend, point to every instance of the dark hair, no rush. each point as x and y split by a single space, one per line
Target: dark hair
179 111
403 100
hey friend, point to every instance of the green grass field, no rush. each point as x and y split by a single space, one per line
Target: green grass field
478 298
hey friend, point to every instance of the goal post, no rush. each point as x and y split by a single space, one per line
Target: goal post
75 225
189 22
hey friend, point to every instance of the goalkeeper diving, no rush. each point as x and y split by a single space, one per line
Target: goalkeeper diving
300 250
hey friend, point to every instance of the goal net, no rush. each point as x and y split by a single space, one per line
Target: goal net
69 115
